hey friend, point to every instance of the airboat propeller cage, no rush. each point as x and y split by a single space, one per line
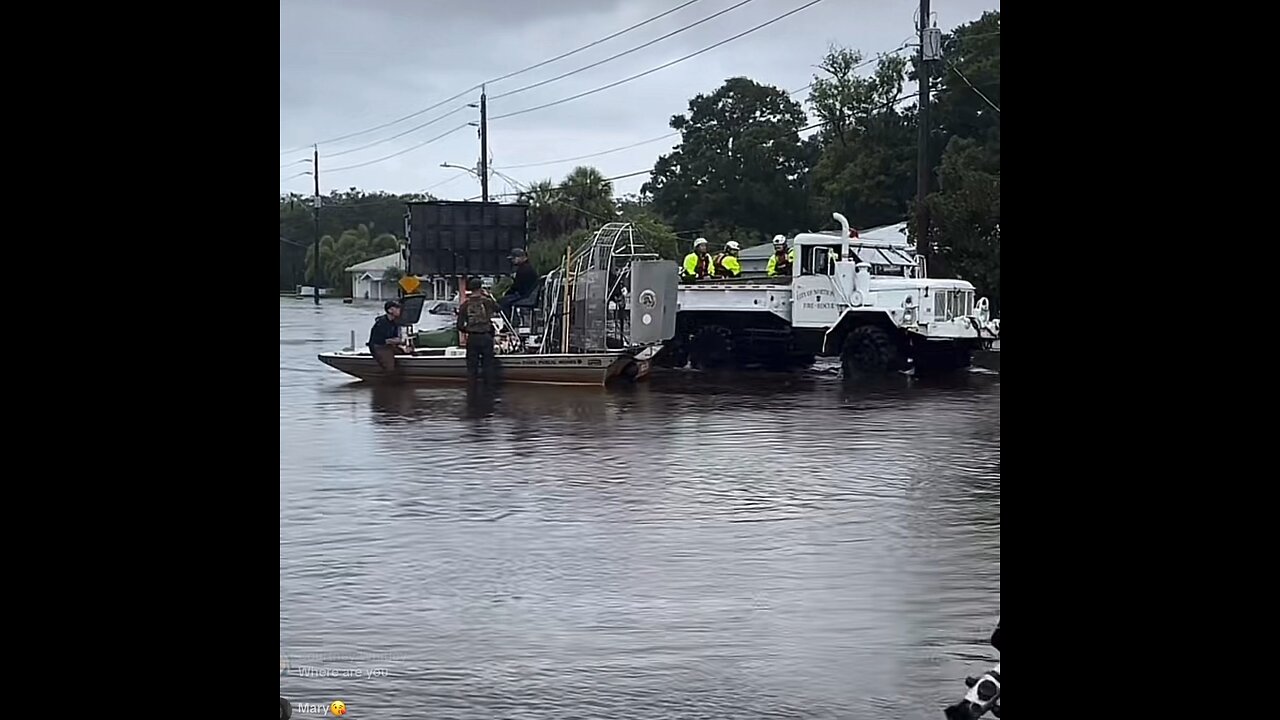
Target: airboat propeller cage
620 294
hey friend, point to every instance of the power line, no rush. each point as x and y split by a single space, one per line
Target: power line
415 128
956 70
521 71
582 185
593 44
673 33
540 83
446 181
608 179
618 149
592 155
814 126
613 150
663 66
399 152
584 94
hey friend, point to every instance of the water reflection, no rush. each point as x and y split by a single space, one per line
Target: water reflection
702 546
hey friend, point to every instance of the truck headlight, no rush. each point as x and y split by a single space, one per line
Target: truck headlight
908 316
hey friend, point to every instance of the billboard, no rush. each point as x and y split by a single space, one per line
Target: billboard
457 238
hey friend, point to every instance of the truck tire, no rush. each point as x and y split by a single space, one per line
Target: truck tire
869 349
711 347
286 709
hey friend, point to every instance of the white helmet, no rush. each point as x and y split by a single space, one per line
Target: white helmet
732 245
779 240
699 241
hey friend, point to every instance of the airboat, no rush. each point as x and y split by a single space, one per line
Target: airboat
600 316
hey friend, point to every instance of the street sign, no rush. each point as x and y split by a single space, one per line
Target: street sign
410 284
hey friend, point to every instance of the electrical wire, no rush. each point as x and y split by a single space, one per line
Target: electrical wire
512 74
956 70
611 58
397 153
663 66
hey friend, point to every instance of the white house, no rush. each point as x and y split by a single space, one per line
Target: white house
368 279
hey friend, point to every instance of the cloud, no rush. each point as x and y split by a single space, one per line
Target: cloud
347 66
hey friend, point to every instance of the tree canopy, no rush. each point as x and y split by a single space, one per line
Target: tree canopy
740 168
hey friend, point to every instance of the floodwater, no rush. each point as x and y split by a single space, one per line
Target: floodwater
739 546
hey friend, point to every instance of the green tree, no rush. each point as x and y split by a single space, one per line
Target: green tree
651 229
549 218
965 218
867 166
586 198
546 255
964 207
339 212
740 162
353 246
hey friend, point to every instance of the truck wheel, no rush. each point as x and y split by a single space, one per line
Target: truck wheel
711 348
286 709
869 349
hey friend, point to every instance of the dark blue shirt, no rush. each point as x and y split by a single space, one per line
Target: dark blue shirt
384 328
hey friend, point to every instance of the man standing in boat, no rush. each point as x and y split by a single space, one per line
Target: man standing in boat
475 318
384 338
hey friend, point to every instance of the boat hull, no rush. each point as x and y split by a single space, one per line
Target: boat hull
548 369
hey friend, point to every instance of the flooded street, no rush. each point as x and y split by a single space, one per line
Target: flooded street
737 546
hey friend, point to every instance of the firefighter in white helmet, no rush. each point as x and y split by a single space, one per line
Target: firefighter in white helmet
726 264
782 259
697 264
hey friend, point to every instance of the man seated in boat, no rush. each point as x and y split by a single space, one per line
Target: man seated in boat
475 318
384 338
524 282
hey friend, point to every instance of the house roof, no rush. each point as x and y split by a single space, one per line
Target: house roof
757 252
378 264
895 234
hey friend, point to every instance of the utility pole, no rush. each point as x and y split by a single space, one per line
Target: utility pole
484 148
922 151
315 260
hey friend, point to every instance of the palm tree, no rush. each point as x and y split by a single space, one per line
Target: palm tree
353 246
547 214
589 196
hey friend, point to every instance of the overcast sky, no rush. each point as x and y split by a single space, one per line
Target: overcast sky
350 65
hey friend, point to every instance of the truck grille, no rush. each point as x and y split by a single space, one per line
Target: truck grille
951 304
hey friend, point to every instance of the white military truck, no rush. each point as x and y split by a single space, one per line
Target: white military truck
869 303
